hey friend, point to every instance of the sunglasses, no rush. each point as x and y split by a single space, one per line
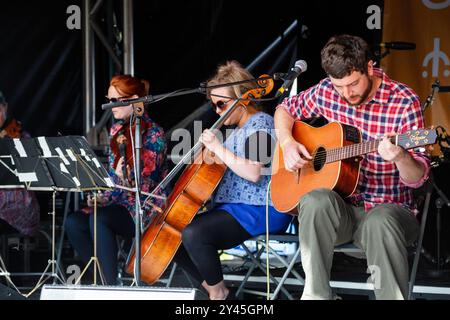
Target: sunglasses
220 104
109 100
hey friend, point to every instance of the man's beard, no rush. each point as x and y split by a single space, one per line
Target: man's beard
363 96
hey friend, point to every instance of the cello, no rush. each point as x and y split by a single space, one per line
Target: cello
162 236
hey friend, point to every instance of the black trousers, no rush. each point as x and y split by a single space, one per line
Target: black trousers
111 221
202 238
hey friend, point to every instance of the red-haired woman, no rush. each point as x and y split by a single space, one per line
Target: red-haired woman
116 209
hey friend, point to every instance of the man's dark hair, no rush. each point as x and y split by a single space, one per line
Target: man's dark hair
344 54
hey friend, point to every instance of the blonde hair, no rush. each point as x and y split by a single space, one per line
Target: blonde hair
232 71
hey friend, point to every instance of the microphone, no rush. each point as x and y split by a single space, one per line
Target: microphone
398 45
110 105
437 86
443 89
299 67
126 102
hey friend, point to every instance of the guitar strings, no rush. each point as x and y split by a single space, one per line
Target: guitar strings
341 153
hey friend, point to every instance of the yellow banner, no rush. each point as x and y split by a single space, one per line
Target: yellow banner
427 24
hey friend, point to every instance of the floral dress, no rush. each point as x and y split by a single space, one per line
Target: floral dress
153 154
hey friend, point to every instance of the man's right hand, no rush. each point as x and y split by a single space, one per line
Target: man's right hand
295 155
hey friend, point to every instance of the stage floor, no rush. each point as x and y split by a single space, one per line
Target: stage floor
348 277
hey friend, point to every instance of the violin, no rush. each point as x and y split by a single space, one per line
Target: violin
11 128
121 146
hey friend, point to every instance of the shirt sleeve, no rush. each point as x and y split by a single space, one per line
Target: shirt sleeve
153 154
304 105
412 119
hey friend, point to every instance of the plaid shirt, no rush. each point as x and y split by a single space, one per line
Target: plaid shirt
394 108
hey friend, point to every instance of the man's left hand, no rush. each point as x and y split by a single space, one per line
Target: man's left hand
389 151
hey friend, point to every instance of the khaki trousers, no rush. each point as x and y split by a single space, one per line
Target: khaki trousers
384 233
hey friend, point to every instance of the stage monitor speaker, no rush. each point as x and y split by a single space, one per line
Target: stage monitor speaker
7 293
68 292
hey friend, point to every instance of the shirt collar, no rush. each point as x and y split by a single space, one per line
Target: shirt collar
384 91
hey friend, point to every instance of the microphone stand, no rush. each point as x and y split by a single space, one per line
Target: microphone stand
442 199
150 98
138 111
430 99
201 89
440 202
137 198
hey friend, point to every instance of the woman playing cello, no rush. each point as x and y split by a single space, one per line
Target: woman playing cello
239 212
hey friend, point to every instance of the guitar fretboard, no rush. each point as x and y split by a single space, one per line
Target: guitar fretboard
359 149
351 151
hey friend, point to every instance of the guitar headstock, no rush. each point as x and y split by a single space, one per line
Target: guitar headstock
417 138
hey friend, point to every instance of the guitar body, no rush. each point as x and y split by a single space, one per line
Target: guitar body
287 188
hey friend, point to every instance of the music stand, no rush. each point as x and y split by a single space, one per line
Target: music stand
56 164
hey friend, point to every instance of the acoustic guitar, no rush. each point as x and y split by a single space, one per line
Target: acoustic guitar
336 150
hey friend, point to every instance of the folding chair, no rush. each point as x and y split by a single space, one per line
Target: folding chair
169 280
287 262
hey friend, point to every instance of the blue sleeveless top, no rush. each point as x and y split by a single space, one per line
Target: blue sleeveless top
243 199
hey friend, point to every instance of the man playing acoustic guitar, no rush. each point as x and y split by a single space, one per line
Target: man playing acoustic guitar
379 216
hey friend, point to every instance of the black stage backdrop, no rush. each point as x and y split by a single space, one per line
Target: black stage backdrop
178 44
41 66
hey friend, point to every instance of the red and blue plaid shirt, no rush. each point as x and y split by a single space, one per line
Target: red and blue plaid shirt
394 108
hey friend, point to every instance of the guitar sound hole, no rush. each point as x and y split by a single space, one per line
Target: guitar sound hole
319 159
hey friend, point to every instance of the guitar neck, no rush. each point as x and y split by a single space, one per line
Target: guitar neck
408 140
351 151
